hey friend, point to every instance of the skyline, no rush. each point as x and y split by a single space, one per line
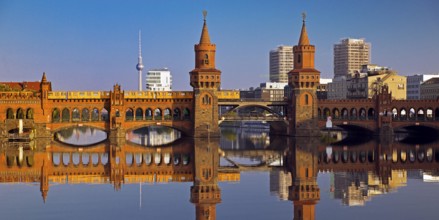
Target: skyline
91 46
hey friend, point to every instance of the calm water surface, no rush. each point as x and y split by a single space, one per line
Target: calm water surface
246 174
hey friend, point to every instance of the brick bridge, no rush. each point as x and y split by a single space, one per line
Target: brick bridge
196 113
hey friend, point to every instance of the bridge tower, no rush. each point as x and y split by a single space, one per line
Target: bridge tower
44 181
304 191
205 193
303 81
205 80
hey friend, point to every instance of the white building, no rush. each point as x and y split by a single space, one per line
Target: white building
414 85
349 55
281 62
158 80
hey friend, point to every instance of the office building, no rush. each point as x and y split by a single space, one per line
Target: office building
414 85
349 55
158 80
281 62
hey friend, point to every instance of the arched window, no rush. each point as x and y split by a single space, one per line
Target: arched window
306 99
20 113
148 114
85 114
129 115
65 115
95 114
75 114
10 113
55 115
30 113
177 114
139 114
299 58
104 114
186 114
157 114
206 59
167 114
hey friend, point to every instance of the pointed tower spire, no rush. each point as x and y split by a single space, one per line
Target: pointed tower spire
205 39
304 40
44 78
140 66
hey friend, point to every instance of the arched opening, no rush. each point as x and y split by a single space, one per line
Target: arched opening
306 99
371 114
104 115
403 115
157 114
10 113
75 114
139 114
207 100
85 114
395 114
326 113
55 115
362 113
29 113
436 114
148 114
177 114
129 114
344 113
412 114
20 113
167 114
421 114
353 114
335 113
429 114
65 115
95 114
186 114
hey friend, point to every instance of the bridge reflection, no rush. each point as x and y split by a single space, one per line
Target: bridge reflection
357 172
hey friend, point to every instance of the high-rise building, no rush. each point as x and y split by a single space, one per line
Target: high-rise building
281 62
414 85
349 55
158 80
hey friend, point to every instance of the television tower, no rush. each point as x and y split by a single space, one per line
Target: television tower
139 65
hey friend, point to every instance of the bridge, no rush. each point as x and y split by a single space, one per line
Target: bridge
42 111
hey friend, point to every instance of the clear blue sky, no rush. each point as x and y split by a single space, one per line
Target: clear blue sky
91 45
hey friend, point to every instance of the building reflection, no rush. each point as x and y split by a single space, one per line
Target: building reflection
358 173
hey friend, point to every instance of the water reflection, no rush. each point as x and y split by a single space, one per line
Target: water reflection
153 135
357 174
81 135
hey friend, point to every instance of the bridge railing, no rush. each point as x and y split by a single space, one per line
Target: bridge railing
252 118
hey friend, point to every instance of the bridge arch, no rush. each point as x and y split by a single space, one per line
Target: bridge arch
403 114
412 114
353 115
429 113
104 114
344 113
186 114
362 113
420 114
326 113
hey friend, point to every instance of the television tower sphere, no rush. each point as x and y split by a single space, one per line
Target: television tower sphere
139 66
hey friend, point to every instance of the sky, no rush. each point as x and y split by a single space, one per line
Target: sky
92 45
